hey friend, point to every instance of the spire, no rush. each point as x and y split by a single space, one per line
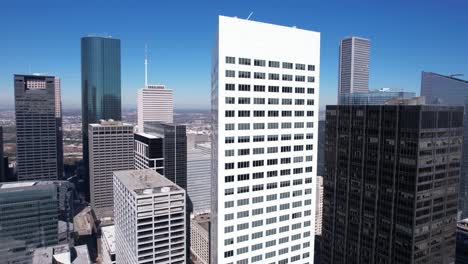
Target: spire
146 65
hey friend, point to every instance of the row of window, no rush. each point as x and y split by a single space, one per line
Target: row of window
271 185
272 64
271 76
271 88
284 101
261 138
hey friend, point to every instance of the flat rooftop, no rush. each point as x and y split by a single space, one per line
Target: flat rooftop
109 122
108 233
146 135
203 220
146 181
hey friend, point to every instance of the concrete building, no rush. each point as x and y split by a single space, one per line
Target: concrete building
353 69
448 90
108 245
100 87
110 149
319 206
39 143
264 101
200 239
155 104
150 220
199 180
30 215
62 254
391 183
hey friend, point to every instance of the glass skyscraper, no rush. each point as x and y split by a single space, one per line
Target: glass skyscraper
100 86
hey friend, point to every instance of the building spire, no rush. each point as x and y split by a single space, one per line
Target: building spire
146 65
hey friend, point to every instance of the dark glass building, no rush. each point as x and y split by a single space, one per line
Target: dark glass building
100 86
39 145
391 183
2 163
462 242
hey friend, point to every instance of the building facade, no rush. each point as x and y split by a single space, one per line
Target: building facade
39 145
391 184
29 219
200 238
264 103
150 221
100 86
199 180
110 149
108 244
155 104
447 90
353 72
375 97
174 147
319 206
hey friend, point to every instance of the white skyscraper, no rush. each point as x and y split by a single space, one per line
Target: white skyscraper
265 92
149 218
319 206
155 103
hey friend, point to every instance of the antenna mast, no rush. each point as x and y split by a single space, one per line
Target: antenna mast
146 65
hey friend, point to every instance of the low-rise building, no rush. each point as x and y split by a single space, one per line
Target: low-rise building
200 239
108 245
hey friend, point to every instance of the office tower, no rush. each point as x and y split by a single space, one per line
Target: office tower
353 72
30 215
39 147
108 244
155 104
100 87
199 180
319 206
2 163
200 238
321 148
448 90
391 183
149 218
164 140
374 97
264 101
110 149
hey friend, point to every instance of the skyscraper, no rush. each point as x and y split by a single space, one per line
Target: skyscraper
155 104
199 180
150 221
30 214
110 149
2 163
391 183
264 101
353 70
100 86
38 113
448 90
319 206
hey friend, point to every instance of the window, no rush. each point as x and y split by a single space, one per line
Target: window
273 89
258 199
298 159
257 187
311 67
298 148
259 75
242 227
229 127
298 125
273 101
230 113
230 73
228 217
300 66
257 235
259 113
310 101
298 136
272 174
299 90
257 211
229 178
243 126
272 150
287 77
283 229
309 136
230 100
230 87
259 63
272 185
258 175
286 89
228 229
272 137
256 258
259 100
310 90
297 170
298 113
273 113
244 139
242 113
310 113
286 125
231 60
229 140
243 189
299 102
244 61
243 164
285 172
286 137
242 238
270 232
258 138
259 88
287 65
272 197
284 218
311 79
310 124
229 204
243 202
285 184
285 160
273 64
242 152
228 254
272 162
229 166
273 76
244 74
242 251
286 101
229 153
258 163
300 78
243 100
244 87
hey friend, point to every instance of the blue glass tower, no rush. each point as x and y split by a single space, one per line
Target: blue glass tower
100 86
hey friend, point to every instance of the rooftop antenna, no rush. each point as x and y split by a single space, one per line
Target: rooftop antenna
251 13
146 65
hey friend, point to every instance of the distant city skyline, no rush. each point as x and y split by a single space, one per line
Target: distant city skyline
407 38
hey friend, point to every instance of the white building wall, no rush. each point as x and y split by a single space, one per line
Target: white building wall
275 224
319 206
155 103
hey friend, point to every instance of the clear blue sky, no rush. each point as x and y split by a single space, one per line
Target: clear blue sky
406 38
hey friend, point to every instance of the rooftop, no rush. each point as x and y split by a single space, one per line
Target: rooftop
448 77
108 233
147 181
203 220
146 135
109 122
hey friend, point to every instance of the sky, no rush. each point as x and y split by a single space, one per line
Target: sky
407 37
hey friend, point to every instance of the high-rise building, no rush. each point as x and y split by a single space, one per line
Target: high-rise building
264 101
100 86
374 97
168 141
462 242
353 69
448 90
30 215
200 238
149 217
2 163
319 206
199 180
391 183
155 104
110 149
39 145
